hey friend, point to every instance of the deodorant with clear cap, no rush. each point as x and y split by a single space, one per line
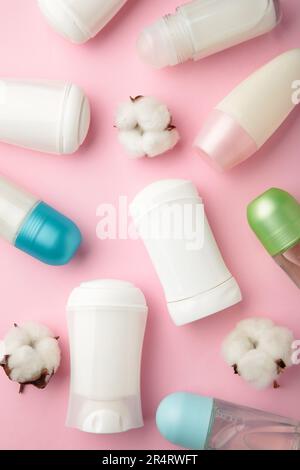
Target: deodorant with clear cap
248 117
50 117
79 20
170 218
107 321
201 28
36 228
203 423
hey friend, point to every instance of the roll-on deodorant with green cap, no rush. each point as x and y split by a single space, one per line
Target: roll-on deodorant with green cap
275 219
202 423
36 228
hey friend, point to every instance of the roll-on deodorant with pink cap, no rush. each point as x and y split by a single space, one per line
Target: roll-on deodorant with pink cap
79 20
50 117
203 27
242 123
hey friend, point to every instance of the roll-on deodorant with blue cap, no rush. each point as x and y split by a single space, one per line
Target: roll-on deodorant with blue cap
202 423
36 228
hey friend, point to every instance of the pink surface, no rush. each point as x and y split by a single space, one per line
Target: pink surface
174 358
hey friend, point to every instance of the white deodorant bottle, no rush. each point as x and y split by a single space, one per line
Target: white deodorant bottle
107 320
245 119
203 27
50 117
79 20
170 218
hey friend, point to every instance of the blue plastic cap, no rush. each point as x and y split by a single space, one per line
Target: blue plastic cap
185 419
49 236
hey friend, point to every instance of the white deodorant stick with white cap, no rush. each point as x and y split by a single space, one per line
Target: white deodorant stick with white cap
245 119
170 218
107 321
79 20
50 117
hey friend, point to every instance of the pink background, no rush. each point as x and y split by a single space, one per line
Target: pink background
174 358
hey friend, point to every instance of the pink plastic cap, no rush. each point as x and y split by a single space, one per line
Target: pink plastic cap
224 141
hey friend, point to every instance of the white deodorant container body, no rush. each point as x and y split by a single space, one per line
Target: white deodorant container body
201 28
242 123
170 217
50 117
79 20
107 320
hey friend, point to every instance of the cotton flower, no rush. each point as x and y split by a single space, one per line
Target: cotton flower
151 114
126 118
258 351
30 355
132 142
158 142
145 127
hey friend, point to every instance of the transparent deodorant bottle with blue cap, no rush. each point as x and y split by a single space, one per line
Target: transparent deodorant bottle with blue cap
36 228
201 423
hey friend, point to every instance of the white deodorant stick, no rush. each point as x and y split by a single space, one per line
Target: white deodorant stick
170 218
34 227
242 123
50 117
107 320
79 20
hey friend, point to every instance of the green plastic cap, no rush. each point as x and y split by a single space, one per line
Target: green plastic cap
275 218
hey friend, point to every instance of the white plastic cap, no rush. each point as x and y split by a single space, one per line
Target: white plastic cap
63 22
104 417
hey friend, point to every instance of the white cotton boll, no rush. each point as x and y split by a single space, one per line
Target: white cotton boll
132 142
49 352
254 327
277 342
151 114
155 143
37 331
258 368
235 346
126 116
15 338
25 365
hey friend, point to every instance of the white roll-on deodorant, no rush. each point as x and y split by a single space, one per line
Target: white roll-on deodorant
50 117
170 218
200 28
107 321
79 20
